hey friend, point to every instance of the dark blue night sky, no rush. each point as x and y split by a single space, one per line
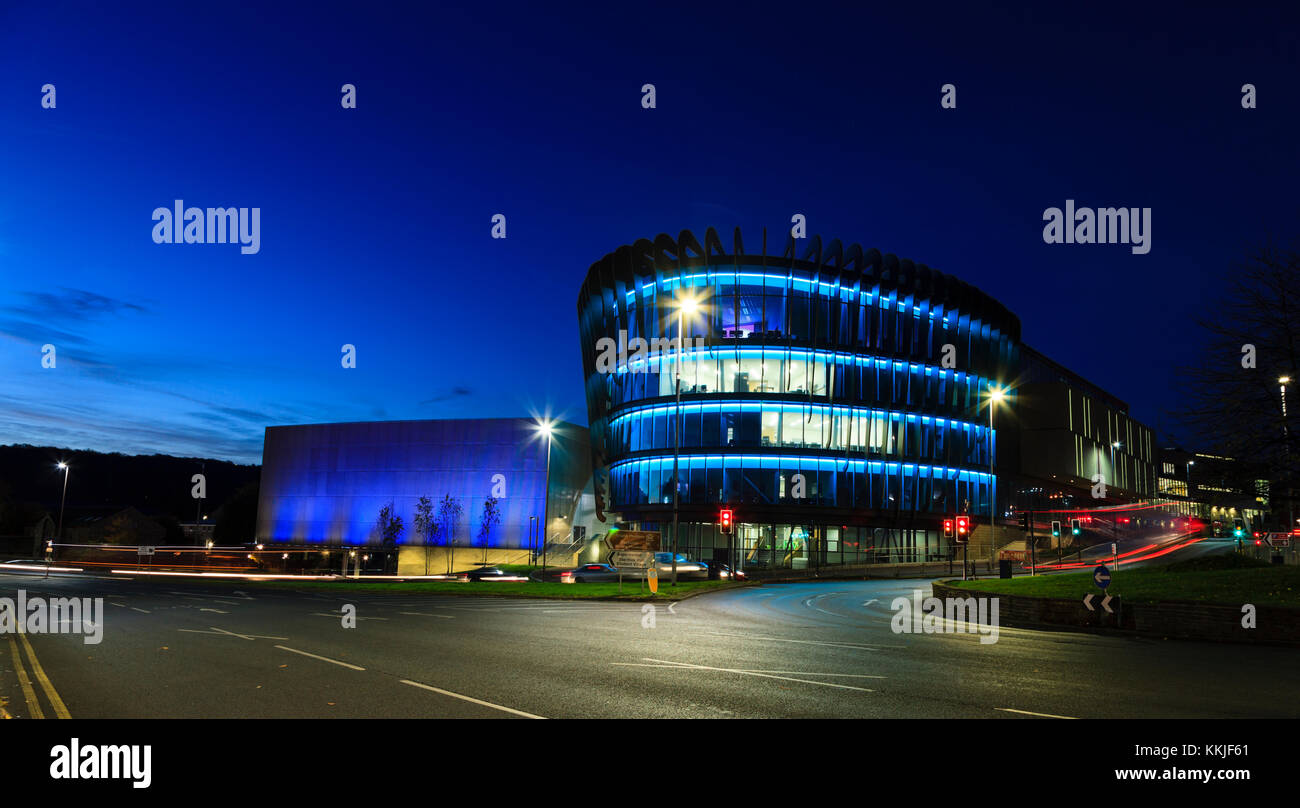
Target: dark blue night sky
375 222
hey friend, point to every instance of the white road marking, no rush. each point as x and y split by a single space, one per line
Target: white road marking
423 614
141 610
805 642
119 605
220 631
678 666
689 666
321 658
337 615
1040 715
218 611
469 699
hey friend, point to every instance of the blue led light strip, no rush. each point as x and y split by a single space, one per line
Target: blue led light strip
830 463
840 411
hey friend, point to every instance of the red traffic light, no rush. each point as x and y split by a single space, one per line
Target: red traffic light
947 529
724 518
963 525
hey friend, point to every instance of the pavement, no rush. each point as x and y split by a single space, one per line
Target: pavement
205 649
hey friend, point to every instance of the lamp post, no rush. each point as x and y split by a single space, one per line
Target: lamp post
1286 447
546 428
685 305
1191 506
66 471
996 394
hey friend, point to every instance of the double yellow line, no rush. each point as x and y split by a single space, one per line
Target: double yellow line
29 693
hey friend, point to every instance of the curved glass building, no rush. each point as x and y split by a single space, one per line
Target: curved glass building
836 398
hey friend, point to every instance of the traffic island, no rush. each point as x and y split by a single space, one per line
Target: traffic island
1221 600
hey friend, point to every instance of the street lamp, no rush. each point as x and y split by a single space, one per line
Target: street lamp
1286 447
546 428
686 304
996 394
66 471
1113 446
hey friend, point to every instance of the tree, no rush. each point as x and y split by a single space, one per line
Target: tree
449 510
1233 396
390 530
236 520
491 516
426 526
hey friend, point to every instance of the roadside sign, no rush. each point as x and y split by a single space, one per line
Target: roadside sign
1101 576
144 551
1011 555
1279 539
633 540
632 559
652 578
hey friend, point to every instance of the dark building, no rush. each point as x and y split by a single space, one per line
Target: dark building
324 484
1215 489
838 400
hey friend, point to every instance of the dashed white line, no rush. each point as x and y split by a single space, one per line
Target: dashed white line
425 614
689 666
470 699
1040 715
321 658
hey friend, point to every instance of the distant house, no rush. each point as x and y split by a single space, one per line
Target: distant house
197 534
125 526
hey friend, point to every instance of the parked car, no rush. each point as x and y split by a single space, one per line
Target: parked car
593 573
686 568
487 573
726 573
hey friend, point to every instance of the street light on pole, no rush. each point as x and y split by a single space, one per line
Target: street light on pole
1286 447
686 304
1113 446
66 471
996 394
546 428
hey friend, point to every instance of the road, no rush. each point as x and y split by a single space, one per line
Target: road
230 650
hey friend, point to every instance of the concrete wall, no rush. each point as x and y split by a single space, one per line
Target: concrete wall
411 560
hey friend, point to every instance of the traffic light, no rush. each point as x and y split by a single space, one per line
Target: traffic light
963 529
1024 521
1056 530
724 519
948 529
1238 528
1075 527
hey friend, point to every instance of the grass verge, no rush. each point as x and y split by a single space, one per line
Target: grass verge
632 590
1231 585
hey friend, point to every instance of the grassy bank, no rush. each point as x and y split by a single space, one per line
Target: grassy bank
632 590
1229 580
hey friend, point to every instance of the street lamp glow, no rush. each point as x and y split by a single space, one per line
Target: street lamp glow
61 465
997 393
687 303
1284 379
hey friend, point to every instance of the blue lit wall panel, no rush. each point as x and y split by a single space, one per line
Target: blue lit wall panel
326 483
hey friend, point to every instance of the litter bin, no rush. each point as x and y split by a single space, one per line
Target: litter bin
1004 569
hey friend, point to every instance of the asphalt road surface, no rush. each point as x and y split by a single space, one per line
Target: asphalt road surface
233 650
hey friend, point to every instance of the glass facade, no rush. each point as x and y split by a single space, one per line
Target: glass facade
837 402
